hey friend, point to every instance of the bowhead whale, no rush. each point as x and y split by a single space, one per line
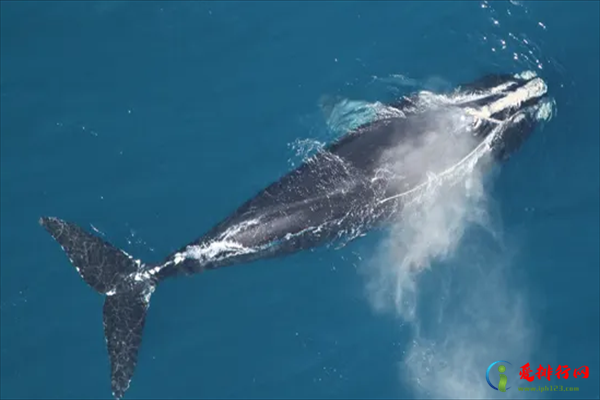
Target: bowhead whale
353 185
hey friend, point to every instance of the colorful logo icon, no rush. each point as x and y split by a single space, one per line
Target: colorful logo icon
503 379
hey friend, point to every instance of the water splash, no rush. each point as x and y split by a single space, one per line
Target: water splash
455 335
346 115
304 149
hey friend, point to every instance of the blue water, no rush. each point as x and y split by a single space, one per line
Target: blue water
152 121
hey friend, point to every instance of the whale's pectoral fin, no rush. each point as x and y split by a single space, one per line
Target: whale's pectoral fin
113 273
124 318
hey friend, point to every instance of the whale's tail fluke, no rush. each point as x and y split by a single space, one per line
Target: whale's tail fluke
114 273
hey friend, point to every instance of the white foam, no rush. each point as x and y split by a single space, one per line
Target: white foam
216 250
526 75
546 110
235 229
451 342
458 170
147 293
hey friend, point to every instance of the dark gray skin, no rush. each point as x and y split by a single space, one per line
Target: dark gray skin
331 191
335 191
337 194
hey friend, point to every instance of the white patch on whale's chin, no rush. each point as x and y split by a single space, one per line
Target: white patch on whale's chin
532 89
536 87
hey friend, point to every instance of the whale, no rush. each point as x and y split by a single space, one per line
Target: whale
359 182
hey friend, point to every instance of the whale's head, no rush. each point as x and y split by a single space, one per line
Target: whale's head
507 107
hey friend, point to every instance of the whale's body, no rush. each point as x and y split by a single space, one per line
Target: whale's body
350 187
339 192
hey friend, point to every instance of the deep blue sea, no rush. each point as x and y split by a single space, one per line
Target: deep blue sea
152 121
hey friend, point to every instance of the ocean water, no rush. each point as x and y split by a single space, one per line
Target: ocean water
151 121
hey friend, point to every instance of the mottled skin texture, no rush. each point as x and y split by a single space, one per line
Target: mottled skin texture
334 190
334 194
